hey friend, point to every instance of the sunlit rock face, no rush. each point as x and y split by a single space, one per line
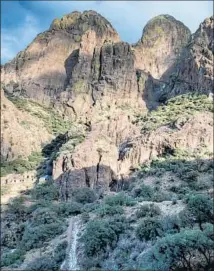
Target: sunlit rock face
161 43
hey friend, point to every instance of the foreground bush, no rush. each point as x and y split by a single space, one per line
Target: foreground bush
191 249
200 206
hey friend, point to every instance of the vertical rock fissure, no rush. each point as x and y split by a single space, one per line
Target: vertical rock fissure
98 166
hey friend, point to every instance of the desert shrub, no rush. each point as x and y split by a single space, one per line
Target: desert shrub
21 165
170 224
45 191
173 110
12 233
186 218
34 237
161 196
16 206
124 255
60 252
97 236
90 207
121 199
101 234
144 191
54 123
16 256
149 229
148 210
38 205
43 216
106 209
45 263
84 195
68 208
200 206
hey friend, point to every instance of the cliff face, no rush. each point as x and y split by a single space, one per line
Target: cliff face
40 70
193 70
80 62
80 68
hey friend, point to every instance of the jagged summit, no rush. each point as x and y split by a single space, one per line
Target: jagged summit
77 21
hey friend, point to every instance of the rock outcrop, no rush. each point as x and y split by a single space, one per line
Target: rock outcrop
100 161
39 72
193 70
162 41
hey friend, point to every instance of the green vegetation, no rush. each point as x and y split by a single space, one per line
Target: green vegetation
201 207
84 195
148 210
176 108
21 165
106 209
45 191
149 229
53 122
66 209
45 263
121 199
177 251
35 237
99 234
144 191
15 257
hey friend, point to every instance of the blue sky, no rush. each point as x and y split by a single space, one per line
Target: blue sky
23 20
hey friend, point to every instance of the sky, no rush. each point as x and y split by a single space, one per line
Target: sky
21 21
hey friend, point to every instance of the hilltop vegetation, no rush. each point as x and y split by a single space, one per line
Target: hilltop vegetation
183 106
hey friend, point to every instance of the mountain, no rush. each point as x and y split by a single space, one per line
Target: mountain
106 148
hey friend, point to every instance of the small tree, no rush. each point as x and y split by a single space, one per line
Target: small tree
201 207
177 251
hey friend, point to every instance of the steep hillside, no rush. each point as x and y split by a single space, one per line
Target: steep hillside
106 149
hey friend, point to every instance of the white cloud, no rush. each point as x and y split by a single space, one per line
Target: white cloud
16 39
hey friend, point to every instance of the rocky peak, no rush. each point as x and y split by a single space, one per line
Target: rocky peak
78 23
163 27
163 39
193 70
204 35
40 70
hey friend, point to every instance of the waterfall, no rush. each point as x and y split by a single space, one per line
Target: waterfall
71 262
